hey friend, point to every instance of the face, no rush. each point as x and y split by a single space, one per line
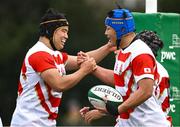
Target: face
111 34
60 36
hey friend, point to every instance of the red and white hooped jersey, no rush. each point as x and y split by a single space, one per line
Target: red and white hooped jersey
133 64
37 104
162 91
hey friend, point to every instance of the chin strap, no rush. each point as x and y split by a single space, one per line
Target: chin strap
118 43
52 44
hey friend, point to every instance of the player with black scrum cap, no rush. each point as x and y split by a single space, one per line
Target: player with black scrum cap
43 74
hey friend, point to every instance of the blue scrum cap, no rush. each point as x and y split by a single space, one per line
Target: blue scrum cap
121 20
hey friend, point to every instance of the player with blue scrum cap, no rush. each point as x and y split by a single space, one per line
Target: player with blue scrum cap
121 25
133 76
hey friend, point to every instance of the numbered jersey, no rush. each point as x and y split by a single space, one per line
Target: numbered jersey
133 64
37 104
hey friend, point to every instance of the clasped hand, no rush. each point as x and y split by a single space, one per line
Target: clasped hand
83 60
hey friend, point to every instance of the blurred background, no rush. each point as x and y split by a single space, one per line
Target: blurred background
19 22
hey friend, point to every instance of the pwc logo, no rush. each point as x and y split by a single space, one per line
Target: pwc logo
168 56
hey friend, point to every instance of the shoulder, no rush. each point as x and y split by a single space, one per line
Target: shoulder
138 47
63 56
39 46
38 52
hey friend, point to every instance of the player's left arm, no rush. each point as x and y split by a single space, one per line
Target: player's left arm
97 54
143 69
143 93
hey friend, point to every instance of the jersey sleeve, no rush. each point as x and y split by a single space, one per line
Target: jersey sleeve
143 66
65 57
41 61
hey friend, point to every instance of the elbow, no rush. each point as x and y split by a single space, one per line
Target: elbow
61 88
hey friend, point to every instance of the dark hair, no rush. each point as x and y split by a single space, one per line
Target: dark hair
152 40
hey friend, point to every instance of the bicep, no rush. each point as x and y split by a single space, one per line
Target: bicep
51 77
144 92
146 85
71 63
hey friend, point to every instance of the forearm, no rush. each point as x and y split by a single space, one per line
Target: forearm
105 75
62 83
68 81
100 53
135 99
72 63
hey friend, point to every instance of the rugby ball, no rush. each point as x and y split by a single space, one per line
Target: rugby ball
99 94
